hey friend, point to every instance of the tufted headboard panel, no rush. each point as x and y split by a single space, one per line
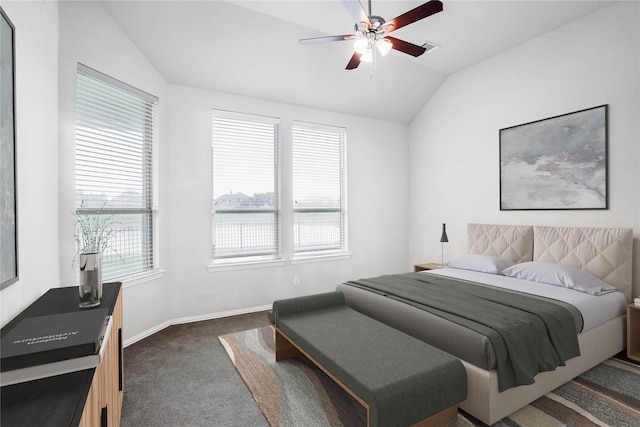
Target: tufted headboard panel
513 242
604 252
607 253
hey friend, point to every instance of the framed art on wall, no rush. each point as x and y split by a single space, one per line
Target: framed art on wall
8 205
555 163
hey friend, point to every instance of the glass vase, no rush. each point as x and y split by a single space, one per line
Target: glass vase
90 284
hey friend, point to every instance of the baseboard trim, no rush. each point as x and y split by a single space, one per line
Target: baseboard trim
191 319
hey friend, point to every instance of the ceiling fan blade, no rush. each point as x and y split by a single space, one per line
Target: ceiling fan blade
357 12
354 61
325 39
420 12
406 47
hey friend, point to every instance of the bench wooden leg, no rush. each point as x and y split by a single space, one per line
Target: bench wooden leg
442 418
284 348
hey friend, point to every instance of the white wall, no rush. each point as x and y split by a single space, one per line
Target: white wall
88 35
448 172
377 196
377 188
454 153
377 178
36 31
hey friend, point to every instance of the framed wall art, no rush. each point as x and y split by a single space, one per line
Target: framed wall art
555 163
8 205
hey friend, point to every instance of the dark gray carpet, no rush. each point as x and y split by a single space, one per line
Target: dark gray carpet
182 376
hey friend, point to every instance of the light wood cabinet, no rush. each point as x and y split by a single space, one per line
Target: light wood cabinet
115 381
92 408
87 398
104 402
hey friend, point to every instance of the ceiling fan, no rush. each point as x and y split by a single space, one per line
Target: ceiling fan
371 32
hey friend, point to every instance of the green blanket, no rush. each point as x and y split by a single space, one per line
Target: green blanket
529 335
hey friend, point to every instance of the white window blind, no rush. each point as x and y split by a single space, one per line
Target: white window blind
246 200
114 169
318 189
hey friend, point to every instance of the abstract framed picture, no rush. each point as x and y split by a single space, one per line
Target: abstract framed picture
555 163
8 205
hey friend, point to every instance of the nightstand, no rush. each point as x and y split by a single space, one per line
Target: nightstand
427 266
633 332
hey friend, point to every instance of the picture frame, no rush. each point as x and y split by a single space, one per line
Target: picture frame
556 163
8 188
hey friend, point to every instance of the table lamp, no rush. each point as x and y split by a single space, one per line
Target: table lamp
443 240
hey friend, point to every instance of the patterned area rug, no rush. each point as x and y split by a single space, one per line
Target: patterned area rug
296 393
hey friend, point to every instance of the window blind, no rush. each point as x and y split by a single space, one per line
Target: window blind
114 170
246 200
318 188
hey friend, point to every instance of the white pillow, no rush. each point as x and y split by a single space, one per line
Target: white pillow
476 262
559 275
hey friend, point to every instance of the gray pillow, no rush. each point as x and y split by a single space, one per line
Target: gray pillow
559 275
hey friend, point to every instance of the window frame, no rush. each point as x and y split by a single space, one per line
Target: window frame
319 254
148 257
249 260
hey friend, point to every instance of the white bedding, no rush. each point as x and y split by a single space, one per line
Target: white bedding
595 310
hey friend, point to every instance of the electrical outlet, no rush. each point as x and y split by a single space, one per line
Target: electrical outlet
296 281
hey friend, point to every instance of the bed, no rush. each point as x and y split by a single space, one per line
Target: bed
605 253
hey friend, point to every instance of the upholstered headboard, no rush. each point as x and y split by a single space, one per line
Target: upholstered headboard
513 242
604 252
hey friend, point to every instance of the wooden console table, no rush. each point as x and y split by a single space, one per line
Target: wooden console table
92 397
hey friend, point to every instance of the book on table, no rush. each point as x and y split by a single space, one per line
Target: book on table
47 339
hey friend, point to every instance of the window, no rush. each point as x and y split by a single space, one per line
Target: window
114 169
318 189
246 204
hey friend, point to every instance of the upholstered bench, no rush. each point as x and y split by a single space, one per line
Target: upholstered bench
400 380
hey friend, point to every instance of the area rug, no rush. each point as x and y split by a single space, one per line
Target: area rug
294 392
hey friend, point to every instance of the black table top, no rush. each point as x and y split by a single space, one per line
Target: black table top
58 400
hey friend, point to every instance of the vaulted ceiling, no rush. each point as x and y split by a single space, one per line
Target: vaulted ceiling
251 47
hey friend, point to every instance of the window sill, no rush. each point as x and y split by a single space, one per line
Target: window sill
302 259
136 279
242 265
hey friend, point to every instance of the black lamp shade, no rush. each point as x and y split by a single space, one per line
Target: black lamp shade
443 238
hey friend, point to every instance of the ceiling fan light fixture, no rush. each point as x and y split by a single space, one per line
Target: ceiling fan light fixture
370 31
361 45
384 46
